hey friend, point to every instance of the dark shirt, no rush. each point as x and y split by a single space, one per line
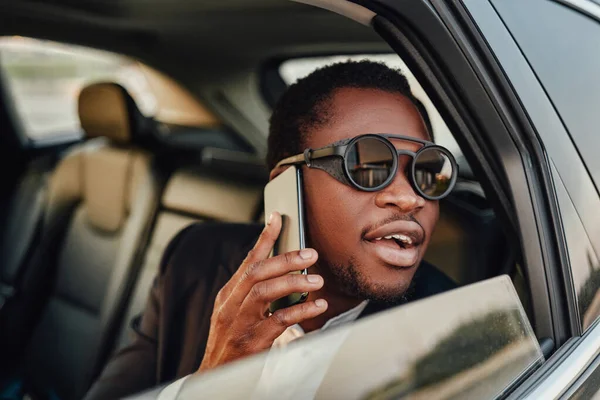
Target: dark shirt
170 337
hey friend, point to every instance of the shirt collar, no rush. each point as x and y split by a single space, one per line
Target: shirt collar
347 316
294 332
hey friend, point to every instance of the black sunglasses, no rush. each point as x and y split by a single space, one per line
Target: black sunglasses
370 162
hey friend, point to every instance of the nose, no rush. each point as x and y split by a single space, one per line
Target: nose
400 194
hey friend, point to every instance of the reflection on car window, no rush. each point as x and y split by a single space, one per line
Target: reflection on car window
44 79
568 71
582 258
469 343
294 69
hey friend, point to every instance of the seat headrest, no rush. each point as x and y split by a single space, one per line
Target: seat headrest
107 110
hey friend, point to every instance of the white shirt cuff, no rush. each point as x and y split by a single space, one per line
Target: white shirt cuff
170 392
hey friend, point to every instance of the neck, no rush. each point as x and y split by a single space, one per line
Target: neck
337 303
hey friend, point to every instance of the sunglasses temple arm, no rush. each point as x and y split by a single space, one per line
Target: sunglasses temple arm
328 151
293 160
312 155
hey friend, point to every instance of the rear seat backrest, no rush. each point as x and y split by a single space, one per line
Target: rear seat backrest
211 196
104 194
189 196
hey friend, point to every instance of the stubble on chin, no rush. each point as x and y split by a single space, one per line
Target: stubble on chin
349 280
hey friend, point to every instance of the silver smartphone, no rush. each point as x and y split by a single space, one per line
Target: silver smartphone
284 195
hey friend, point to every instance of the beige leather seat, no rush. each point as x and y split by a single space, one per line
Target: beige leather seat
102 197
190 196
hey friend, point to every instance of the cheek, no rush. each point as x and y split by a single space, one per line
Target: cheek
332 209
428 218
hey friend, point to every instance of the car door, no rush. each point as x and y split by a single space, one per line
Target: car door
453 348
553 66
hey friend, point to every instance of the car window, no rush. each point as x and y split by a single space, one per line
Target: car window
566 61
568 71
294 69
445 346
44 79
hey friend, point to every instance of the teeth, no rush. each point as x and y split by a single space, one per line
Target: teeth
405 239
397 236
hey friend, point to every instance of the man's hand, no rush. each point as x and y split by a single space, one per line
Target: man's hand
240 324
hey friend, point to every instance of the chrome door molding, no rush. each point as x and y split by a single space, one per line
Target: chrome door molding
586 7
556 382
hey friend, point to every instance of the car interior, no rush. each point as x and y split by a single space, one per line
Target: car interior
87 211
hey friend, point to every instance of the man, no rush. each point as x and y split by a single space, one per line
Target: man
209 305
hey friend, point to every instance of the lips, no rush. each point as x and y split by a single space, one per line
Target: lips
396 243
409 229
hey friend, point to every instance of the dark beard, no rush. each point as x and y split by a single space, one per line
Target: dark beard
349 280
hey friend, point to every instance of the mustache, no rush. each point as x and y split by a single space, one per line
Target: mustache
393 218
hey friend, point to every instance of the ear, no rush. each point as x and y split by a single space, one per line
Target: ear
275 172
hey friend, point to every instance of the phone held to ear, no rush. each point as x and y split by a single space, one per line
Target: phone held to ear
284 195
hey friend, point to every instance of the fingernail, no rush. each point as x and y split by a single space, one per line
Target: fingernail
314 278
320 303
306 254
270 219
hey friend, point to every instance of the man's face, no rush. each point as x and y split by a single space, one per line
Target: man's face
344 224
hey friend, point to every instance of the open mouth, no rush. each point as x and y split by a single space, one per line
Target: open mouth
396 244
401 240
396 250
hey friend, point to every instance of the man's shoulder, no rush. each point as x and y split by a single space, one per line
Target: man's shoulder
211 232
204 245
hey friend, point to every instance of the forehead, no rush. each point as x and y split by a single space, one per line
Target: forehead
354 112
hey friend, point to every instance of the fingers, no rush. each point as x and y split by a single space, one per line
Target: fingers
272 268
265 292
272 327
266 240
261 250
280 265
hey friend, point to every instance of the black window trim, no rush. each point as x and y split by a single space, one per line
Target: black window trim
556 135
566 369
553 242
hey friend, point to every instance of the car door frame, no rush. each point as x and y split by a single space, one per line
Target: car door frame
572 366
474 98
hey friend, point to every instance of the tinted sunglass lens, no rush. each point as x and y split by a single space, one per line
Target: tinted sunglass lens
369 162
433 172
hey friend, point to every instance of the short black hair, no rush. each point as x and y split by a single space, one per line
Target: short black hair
305 104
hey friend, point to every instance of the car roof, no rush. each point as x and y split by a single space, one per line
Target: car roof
208 33
216 49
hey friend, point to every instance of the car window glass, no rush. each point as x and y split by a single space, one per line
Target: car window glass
44 79
563 48
582 257
568 71
294 69
445 346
